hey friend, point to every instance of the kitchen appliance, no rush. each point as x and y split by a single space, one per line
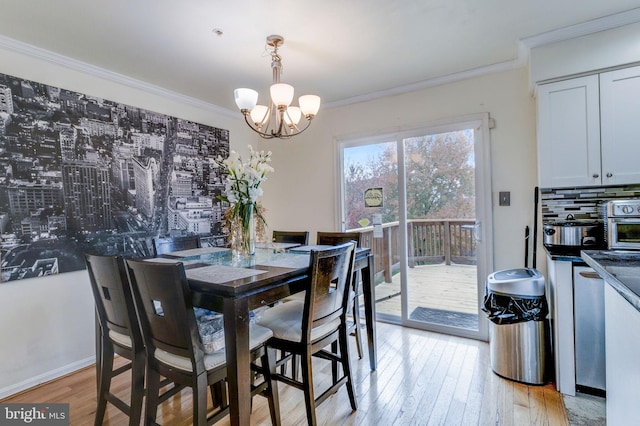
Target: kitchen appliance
623 224
588 307
573 233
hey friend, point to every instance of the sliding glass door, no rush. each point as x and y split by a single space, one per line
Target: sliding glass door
421 198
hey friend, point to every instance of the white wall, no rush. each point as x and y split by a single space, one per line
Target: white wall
47 324
47 329
301 194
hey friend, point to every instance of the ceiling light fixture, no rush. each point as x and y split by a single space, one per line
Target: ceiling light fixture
279 119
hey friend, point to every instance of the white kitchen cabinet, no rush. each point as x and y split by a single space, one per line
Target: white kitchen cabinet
569 133
588 130
622 341
620 126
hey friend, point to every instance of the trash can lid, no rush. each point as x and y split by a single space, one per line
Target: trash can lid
512 274
518 282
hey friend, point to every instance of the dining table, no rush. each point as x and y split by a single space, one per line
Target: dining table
241 286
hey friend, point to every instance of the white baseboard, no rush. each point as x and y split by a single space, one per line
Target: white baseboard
45 377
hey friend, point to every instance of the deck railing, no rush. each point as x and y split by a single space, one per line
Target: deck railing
430 241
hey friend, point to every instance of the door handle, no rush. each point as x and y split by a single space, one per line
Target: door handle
591 275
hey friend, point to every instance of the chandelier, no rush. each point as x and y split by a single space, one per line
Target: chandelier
279 119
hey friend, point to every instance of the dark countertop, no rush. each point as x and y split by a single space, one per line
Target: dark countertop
564 254
619 268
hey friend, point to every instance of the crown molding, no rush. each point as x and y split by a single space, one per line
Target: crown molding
432 82
595 25
524 47
83 67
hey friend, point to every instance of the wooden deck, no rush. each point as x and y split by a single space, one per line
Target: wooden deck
445 287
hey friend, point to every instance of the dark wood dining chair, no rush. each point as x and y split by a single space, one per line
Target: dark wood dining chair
174 347
334 238
118 333
306 328
169 244
295 237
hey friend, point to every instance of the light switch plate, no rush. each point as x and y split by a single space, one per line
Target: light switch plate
504 198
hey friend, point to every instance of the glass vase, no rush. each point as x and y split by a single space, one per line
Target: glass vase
247 244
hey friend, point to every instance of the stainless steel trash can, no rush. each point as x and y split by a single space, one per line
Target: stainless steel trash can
517 309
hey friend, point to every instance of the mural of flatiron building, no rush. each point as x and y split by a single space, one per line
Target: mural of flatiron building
145 171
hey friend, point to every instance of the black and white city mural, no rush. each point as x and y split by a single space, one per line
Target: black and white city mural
80 173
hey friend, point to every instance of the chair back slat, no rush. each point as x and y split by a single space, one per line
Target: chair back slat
112 294
169 244
294 237
326 297
335 238
163 298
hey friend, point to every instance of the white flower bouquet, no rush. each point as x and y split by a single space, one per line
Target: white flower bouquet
242 190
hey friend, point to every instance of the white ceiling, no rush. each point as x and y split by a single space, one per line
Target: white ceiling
342 50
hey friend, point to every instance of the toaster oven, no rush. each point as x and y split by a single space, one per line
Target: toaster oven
623 224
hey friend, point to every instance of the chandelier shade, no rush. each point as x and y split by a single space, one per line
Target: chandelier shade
259 115
277 119
246 98
281 94
292 115
309 104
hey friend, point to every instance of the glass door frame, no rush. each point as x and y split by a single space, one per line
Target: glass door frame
484 208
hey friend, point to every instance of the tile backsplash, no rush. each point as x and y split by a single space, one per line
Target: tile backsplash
582 203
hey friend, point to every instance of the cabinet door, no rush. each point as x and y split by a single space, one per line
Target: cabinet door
569 133
620 126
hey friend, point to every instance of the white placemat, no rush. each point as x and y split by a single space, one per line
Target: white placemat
196 251
221 273
300 261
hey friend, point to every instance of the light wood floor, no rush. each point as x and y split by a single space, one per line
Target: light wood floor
423 378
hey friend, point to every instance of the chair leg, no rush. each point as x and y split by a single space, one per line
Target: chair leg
309 396
295 362
346 368
103 374
334 364
153 397
219 396
200 400
268 367
137 388
356 316
283 367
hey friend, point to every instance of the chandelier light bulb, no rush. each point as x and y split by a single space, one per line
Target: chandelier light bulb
246 99
292 116
309 104
281 94
260 115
